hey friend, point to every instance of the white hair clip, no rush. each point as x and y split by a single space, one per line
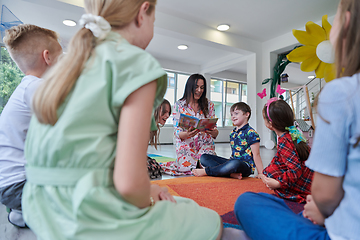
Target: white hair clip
96 24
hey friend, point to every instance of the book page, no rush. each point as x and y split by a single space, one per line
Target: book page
207 124
187 122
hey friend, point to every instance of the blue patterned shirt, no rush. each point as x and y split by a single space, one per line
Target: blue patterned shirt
240 141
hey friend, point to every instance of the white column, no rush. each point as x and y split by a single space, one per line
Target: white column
252 89
208 84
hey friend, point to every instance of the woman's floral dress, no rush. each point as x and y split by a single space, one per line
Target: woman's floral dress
188 151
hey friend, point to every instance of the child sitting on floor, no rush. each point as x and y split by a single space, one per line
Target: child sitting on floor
287 174
34 49
245 146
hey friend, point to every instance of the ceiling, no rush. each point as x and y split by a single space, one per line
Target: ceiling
193 22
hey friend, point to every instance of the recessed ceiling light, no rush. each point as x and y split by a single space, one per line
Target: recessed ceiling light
223 27
183 47
70 23
311 77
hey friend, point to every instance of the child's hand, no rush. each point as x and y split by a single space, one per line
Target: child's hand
271 183
312 212
166 196
260 176
160 193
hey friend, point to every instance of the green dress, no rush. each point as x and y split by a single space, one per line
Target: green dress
69 192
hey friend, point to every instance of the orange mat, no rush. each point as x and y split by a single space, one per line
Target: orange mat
215 193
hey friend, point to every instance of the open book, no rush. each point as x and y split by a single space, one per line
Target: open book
203 124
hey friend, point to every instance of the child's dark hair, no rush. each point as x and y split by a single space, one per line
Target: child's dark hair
159 111
242 107
189 92
281 117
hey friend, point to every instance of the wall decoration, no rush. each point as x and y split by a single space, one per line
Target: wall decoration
284 77
317 53
262 94
279 90
278 69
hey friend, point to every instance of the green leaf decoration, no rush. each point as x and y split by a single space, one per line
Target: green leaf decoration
266 80
278 69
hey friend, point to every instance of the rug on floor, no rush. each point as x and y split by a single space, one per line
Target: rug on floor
167 164
218 194
161 159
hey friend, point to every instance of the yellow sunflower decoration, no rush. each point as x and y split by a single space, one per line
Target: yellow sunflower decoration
317 53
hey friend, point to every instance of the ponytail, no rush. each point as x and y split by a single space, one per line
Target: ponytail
303 150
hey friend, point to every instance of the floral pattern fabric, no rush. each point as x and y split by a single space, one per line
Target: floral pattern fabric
188 151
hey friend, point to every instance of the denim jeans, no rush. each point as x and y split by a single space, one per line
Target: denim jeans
264 216
221 167
11 195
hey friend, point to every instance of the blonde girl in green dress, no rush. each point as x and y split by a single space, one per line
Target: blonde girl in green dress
86 146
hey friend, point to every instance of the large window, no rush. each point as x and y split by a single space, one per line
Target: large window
175 89
170 92
224 94
10 77
217 96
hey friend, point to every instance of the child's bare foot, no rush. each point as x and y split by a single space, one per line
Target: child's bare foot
199 172
236 175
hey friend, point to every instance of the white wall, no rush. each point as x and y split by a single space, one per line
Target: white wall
230 75
178 66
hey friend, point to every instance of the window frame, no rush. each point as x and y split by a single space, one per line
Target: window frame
176 98
224 96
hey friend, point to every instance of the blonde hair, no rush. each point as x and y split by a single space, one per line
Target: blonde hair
351 46
26 43
62 77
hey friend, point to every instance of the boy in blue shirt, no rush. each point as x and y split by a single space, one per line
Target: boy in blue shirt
245 146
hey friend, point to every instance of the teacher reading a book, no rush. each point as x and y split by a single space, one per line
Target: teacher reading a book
192 143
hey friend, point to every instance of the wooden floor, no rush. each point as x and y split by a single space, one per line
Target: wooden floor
9 232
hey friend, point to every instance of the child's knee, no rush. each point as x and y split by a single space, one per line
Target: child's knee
234 164
204 158
245 199
242 205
